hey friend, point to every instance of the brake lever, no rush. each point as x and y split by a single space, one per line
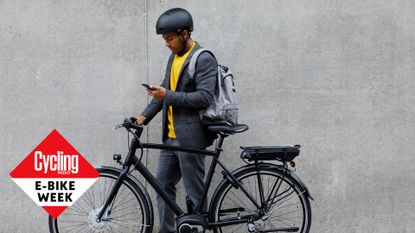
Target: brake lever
128 123
118 126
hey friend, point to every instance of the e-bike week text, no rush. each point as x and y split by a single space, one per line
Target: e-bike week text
59 162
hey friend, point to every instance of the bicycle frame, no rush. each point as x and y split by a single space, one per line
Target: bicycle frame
131 159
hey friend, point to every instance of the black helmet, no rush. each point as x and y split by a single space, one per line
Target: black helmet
174 20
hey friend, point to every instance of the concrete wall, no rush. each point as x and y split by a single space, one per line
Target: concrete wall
334 76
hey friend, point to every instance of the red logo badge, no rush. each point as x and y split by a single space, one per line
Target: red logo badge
54 174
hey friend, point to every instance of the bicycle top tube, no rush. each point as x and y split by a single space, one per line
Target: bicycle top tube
182 149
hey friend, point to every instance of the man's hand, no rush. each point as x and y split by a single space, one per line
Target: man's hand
157 92
140 119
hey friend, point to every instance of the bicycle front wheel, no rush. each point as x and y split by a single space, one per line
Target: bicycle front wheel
285 206
130 212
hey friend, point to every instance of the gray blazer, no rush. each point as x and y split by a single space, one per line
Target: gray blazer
190 97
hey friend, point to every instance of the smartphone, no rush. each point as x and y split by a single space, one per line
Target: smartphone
146 86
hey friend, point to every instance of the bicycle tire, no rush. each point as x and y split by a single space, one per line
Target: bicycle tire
288 207
131 200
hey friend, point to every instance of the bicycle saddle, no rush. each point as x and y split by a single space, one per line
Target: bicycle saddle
228 129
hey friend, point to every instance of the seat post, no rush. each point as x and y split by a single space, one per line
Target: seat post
220 142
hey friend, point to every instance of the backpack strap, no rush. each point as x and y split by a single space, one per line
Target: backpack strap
192 64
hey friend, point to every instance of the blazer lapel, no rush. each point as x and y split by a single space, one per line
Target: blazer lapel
168 71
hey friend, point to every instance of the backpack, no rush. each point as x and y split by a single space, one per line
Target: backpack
225 108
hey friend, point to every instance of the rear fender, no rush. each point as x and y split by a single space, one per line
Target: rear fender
280 168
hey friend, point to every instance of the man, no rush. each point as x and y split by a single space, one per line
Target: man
181 98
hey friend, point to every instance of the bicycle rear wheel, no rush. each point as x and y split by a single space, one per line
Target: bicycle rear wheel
130 212
286 205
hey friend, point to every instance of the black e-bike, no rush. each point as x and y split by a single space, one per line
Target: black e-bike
260 196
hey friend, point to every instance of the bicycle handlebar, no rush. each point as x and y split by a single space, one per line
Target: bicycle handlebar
129 123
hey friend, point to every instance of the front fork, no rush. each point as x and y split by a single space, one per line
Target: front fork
131 159
104 210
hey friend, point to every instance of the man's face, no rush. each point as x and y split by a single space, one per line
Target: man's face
173 41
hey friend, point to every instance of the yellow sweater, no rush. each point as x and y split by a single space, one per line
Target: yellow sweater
174 77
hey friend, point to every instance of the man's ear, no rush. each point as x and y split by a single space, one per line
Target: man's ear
185 34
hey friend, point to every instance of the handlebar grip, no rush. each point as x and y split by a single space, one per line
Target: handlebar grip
129 123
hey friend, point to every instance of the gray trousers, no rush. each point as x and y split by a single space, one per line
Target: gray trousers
172 166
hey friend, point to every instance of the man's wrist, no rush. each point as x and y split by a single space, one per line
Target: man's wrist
168 97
